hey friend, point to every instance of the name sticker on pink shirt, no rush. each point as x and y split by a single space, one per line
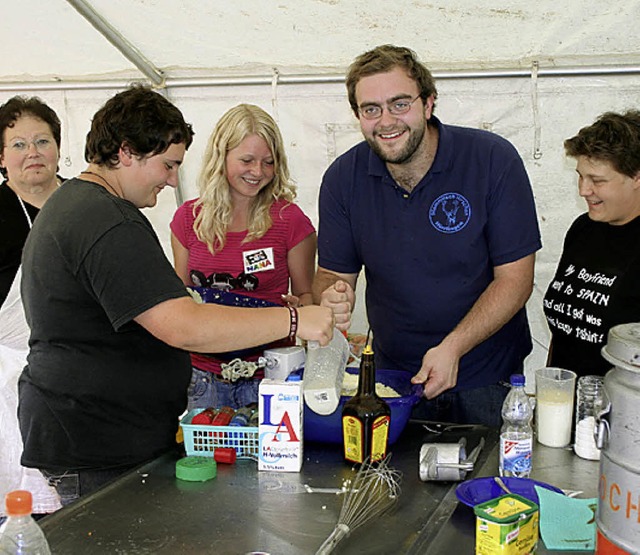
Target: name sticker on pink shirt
258 260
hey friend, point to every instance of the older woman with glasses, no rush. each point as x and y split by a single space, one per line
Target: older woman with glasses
244 235
29 154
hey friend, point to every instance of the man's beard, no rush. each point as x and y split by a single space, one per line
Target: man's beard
415 139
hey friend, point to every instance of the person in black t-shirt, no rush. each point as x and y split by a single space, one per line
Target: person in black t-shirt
596 284
111 322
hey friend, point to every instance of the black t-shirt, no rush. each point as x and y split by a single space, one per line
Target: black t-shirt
14 228
99 391
594 289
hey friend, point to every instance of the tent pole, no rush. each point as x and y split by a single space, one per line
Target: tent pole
116 39
283 79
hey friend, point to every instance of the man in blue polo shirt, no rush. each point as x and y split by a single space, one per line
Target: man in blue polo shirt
443 221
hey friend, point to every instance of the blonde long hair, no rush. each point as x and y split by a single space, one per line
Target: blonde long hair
215 203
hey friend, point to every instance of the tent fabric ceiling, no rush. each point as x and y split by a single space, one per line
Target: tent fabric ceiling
51 50
50 40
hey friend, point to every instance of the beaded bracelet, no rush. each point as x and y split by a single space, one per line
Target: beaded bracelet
293 323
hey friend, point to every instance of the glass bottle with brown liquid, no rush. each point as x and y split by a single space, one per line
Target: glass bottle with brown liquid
366 417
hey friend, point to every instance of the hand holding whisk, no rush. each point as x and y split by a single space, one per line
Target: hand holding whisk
374 491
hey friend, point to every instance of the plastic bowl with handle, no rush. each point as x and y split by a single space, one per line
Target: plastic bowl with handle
328 429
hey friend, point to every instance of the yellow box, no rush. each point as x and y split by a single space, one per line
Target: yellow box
507 525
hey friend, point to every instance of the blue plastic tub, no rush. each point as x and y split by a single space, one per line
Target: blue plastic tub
328 429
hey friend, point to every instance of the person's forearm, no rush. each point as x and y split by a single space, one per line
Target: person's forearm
326 278
500 301
211 328
321 281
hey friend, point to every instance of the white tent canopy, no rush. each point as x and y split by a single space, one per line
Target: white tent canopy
52 40
534 72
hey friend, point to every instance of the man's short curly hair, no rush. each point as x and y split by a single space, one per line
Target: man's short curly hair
138 118
614 138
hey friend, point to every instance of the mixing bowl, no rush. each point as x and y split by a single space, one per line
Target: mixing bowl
328 429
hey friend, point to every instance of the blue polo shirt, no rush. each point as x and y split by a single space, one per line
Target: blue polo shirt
429 254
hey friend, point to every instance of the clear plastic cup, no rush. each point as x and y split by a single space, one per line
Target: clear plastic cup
555 393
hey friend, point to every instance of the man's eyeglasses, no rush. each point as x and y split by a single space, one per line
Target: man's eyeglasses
395 107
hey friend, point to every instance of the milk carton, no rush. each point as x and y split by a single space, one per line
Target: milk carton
280 406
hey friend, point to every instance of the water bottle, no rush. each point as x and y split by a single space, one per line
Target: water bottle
516 434
20 534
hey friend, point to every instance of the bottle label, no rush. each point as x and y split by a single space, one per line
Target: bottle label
352 432
379 438
515 455
355 443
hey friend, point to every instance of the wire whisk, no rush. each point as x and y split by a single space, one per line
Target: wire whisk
373 492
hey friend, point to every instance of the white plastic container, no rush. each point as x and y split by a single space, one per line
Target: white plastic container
281 361
324 374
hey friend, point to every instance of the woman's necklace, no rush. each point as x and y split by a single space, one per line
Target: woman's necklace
24 209
103 180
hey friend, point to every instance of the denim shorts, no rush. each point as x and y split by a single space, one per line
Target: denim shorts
210 390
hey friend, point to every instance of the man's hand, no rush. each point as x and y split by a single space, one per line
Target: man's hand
499 302
340 298
439 371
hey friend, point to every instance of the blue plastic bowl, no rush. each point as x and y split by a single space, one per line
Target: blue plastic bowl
328 429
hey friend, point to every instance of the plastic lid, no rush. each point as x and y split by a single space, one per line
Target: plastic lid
517 379
19 502
196 469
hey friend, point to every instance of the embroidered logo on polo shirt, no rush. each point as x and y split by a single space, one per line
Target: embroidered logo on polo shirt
450 213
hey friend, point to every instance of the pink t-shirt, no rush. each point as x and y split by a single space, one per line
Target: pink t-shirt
264 258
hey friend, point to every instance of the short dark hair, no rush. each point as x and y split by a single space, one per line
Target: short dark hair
385 58
139 118
19 106
613 138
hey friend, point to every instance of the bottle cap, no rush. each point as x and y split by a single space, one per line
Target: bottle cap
224 455
196 469
18 502
517 379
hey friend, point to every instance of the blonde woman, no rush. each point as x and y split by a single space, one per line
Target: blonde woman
243 234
